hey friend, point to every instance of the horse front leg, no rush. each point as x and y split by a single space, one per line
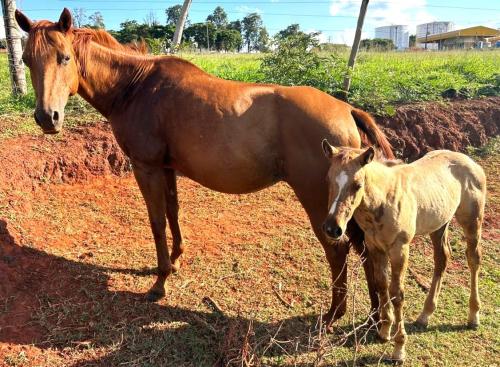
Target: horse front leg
173 218
153 186
357 239
336 254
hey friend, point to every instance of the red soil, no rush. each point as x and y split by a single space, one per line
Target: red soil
419 128
32 169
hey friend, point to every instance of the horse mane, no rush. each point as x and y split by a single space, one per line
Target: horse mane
348 153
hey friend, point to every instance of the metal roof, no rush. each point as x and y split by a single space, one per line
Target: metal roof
479 31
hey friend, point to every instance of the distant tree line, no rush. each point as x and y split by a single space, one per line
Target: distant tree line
216 33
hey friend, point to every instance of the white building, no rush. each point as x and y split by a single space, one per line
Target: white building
397 33
428 29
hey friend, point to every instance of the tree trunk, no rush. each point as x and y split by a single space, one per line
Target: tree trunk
179 27
14 47
355 47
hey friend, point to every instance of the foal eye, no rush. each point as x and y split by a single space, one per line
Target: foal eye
356 186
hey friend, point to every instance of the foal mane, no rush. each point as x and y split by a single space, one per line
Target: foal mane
348 153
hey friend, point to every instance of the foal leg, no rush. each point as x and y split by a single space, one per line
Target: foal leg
441 257
473 252
152 183
381 274
399 263
173 218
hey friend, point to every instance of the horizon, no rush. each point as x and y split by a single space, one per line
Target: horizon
336 20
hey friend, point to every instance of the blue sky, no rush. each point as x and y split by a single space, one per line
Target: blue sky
336 19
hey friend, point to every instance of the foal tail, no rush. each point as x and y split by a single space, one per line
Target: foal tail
371 133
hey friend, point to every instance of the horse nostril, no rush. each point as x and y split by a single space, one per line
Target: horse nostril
37 120
55 116
337 232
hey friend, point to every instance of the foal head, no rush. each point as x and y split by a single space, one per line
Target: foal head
346 185
50 56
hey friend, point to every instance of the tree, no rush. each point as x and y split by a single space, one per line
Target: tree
198 32
228 40
173 14
218 17
252 24
14 47
291 30
263 40
79 16
412 41
179 26
377 44
150 19
301 39
96 21
236 25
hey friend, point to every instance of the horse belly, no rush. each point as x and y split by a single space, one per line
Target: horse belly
437 209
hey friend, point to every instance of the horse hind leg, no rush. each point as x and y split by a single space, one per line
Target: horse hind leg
472 224
172 203
441 258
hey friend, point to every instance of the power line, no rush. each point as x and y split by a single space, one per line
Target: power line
290 2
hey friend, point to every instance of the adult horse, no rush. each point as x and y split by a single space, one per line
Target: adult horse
168 115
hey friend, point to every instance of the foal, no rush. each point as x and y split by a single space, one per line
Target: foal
392 202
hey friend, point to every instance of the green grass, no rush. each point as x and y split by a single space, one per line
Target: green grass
380 80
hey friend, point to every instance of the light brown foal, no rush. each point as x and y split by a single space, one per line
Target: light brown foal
392 202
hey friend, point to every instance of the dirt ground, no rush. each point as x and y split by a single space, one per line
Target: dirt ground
418 128
76 256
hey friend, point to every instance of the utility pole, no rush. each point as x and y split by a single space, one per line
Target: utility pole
179 27
14 47
355 47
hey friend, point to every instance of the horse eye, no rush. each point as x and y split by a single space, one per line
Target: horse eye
65 59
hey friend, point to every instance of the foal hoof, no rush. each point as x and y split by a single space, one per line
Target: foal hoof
176 265
155 295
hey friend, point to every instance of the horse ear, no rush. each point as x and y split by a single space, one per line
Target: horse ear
367 156
65 20
24 22
328 149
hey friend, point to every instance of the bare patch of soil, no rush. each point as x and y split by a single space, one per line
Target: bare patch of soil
418 128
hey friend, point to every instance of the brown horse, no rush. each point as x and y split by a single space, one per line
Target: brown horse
394 202
168 115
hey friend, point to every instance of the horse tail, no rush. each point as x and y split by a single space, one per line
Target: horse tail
371 133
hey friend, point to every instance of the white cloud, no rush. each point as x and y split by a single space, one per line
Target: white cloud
248 9
382 12
346 37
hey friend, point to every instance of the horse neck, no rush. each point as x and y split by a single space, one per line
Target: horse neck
108 77
379 180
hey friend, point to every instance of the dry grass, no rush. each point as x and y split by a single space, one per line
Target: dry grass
251 291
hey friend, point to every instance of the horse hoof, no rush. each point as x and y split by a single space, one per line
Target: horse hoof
154 295
474 325
422 322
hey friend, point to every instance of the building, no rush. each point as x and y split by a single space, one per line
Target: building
429 29
467 38
397 33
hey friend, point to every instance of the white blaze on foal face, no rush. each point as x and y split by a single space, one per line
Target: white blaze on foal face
341 181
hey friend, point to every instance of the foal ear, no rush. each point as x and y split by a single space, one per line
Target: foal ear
367 156
328 149
65 20
24 22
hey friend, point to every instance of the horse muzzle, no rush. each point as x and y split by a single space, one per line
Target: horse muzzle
332 230
50 121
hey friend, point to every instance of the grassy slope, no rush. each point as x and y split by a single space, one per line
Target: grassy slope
380 79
